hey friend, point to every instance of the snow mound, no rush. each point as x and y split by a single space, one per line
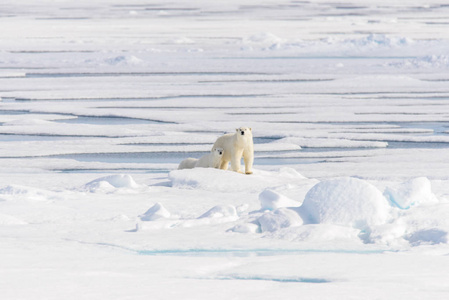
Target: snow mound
220 211
7 220
111 183
354 46
263 38
411 193
156 212
163 219
15 192
271 200
287 172
429 61
278 219
246 228
347 202
227 181
182 40
431 236
380 40
123 60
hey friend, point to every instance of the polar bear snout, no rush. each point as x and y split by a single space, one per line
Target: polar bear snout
243 130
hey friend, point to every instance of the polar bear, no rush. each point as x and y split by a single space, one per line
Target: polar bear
210 160
236 145
188 163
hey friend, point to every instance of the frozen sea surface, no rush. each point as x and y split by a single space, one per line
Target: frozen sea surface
101 100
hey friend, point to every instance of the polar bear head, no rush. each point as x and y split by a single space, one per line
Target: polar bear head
244 131
215 160
217 152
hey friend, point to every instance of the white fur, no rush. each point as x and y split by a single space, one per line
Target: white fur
210 160
188 163
236 145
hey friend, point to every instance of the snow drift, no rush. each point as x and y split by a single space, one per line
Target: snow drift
411 193
347 201
110 184
272 200
226 181
156 212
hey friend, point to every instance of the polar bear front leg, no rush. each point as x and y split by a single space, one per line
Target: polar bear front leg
248 158
224 164
236 157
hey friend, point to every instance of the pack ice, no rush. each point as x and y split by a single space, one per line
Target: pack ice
342 208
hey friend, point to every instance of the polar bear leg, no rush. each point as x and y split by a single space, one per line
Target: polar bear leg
248 158
224 165
236 157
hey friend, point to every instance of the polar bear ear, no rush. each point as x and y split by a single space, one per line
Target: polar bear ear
250 129
236 129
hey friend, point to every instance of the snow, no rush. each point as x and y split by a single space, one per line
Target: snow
101 100
220 211
110 183
347 201
271 200
157 211
416 191
278 219
6 220
230 182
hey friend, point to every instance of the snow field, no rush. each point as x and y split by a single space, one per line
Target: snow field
346 208
100 101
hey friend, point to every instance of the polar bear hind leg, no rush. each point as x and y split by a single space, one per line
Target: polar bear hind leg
188 163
